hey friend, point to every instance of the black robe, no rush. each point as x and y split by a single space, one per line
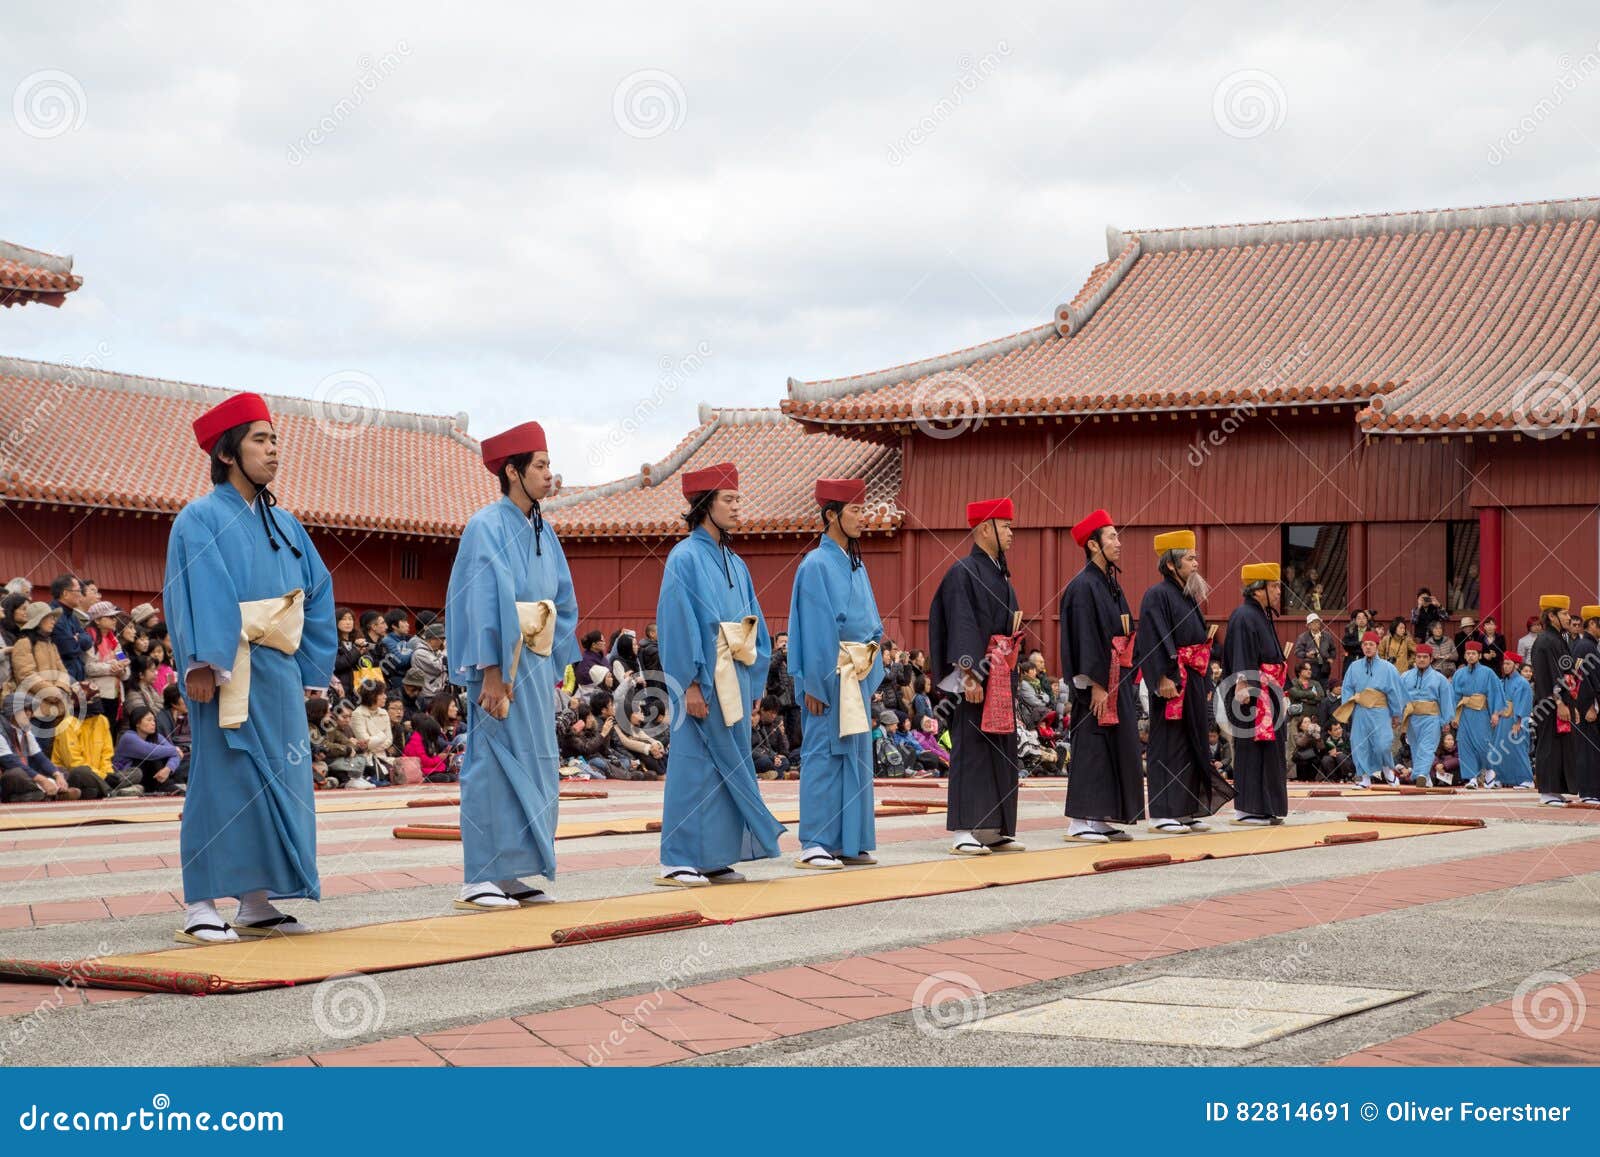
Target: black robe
1586 657
1104 779
974 602
1182 782
1554 755
1260 772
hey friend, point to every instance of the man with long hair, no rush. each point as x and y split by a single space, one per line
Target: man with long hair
1555 703
511 619
1250 699
249 605
1173 649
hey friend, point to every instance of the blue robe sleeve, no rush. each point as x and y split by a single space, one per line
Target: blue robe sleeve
319 640
683 657
566 650
815 626
477 633
1521 699
198 597
763 663
1396 693
1447 698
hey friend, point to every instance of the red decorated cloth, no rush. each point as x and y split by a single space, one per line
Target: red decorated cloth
1195 657
1272 675
1570 682
999 711
1121 660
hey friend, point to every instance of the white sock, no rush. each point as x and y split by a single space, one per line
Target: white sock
202 912
1079 827
254 907
817 850
958 838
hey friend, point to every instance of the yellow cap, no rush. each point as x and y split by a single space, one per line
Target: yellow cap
1590 612
1259 572
1174 540
1554 603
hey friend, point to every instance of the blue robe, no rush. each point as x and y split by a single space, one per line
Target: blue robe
249 821
510 770
1473 733
1423 731
1508 754
832 604
1371 728
712 812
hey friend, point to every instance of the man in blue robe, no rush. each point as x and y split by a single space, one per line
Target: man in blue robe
249 607
1429 701
715 652
1479 693
1372 702
1508 763
834 630
511 623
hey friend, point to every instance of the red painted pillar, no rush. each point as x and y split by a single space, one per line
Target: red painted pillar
1490 552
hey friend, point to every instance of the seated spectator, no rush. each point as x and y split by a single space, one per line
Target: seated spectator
398 645
399 725
622 762
1337 764
427 744
331 737
26 773
1445 657
429 659
172 722
165 675
1398 646
1305 695
649 754
140 689
69 633
346 656
13 611
1033 704
1446 761
87 743
932 757
370 732
580 740
1218 752
446 711
1306 754
37 669
769 743
411 693
887 760
592 657
143 759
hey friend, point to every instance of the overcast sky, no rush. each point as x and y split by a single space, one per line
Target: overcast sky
617 212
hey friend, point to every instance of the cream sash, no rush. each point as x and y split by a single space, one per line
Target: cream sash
1477 701
736 642
1366 697
855 662
1419 707
275 623
538 624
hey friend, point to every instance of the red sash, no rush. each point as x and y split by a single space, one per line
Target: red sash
1570 682
999 713
1121 660
1272 675
1195 657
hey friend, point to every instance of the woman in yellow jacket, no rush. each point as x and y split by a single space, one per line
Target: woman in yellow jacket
1398 646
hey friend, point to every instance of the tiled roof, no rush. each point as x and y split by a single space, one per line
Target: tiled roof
1444 321
91 438
778 460
28 275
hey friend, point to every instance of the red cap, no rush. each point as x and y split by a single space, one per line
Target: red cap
1372 637
527 438
1513 656
722 476
1081 532
1472 645
841 489
239 410
1425 649
990 508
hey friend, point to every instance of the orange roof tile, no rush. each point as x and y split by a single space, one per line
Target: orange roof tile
778 460
28 275
91 438
1440 321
